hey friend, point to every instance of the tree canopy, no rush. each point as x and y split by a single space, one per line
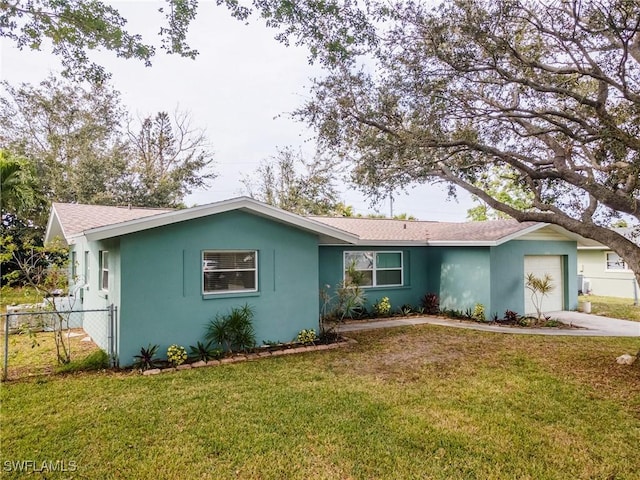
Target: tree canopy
546 92
168 159
76 140
17 184
289 182
73 28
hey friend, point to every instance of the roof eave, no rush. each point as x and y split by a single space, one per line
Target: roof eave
465 243
240 203
54 228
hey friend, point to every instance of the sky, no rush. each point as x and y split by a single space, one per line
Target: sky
240 89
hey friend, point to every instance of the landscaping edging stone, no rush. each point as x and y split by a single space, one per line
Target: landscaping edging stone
252 356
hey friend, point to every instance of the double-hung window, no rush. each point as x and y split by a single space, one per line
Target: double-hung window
615 262
373 269
229 271
74 266
104 270
87 267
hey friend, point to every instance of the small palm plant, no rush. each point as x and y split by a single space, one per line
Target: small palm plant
540 287
233 331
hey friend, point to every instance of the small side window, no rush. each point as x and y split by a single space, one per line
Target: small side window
87 267
104 270
74 266
615 262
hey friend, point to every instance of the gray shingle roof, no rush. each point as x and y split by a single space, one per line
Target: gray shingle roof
376 229
76 218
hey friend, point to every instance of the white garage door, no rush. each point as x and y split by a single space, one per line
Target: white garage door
540 265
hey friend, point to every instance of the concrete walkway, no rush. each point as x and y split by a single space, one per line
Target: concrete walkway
591 325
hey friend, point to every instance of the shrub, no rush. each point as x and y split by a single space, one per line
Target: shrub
307 336
328 335
383 307
350 302
457 314
478 312
511 316
233 331
145 360
406 310
204 351
177 355
431 304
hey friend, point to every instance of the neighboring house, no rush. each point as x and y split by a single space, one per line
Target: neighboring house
601 271
169 272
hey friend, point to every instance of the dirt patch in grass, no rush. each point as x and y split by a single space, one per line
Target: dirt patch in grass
400 353
407 354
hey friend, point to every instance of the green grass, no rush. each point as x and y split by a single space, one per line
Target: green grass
613 307
96 360
18 295
421 402
35 354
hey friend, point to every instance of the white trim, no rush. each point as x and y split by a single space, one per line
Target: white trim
50 234
86 271
240 203
464 243
374 268
227 292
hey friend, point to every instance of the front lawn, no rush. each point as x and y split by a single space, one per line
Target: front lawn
418 402
613 307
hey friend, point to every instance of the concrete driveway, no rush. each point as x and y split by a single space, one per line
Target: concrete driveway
600 326
591 325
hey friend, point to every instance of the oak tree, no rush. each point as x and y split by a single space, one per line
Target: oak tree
546 92
71 29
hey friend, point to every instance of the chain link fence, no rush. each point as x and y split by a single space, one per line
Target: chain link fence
29 343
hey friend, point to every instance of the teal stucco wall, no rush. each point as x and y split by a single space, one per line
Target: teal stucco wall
461 276
414 275
161 285
507 267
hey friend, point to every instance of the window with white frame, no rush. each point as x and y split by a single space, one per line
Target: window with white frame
615 262
74 266
87 268
229 271
373 269
104 270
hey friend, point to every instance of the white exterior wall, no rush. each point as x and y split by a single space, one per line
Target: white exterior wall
87 291
592 265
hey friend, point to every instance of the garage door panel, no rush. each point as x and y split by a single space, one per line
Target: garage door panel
540 265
